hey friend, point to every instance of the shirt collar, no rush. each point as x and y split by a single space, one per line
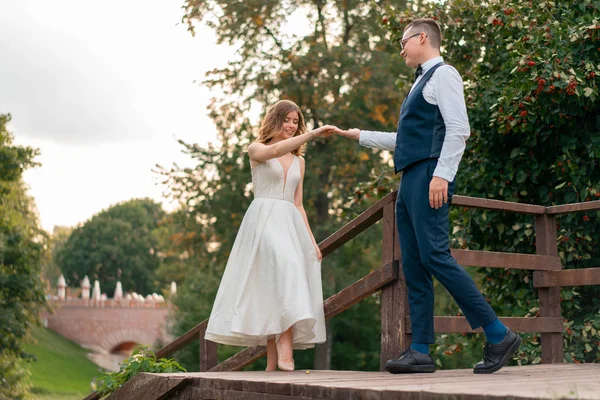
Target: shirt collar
430 63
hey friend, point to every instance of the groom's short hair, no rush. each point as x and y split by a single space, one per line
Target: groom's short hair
430 27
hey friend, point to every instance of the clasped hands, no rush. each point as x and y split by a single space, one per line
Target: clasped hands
438 187
327 130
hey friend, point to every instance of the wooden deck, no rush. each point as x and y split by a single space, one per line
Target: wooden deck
550 381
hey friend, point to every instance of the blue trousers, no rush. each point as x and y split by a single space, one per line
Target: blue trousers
425 248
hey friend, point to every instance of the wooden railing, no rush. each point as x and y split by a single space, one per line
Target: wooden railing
395 320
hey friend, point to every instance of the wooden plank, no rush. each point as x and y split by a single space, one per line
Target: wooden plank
356 226
517 324
182 340
394 300
389 322
571 277
492 259
231 380
149 387
569 208
388 233
92 396
197 393
549 382
208 353
499 205
334 305
390 346
545 243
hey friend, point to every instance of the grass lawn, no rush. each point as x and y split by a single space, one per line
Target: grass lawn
62 370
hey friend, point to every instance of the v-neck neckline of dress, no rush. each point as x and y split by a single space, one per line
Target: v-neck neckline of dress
285 171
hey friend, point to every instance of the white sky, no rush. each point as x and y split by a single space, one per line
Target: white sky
103 89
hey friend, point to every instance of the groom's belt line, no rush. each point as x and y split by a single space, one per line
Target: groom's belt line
412 165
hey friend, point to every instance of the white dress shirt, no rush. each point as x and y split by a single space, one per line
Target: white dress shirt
444 89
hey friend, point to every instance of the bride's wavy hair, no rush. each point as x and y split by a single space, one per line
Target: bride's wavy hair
272 124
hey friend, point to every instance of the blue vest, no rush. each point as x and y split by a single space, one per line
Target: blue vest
421 129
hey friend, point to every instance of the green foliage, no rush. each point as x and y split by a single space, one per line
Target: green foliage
14 378
118 244
142 360
530 69
356 336
50 269
21 246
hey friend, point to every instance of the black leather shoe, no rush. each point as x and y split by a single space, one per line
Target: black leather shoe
496 355
410 361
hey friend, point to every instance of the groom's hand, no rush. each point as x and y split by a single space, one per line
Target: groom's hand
438 192
350 133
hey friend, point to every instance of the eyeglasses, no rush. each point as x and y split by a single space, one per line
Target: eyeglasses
403 41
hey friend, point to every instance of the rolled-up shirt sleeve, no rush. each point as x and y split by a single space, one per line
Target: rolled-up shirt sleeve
450 100
378 140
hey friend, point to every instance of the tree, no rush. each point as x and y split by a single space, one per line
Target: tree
530 69
342 72
21 244
50 269
118 244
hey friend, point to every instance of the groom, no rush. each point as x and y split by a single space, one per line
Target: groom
428 147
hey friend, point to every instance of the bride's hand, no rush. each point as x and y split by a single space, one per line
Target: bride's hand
319 255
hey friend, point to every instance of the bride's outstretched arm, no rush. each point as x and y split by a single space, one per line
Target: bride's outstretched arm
300 206
264 152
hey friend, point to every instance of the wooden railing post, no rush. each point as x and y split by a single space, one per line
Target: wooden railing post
545 243
394 300
208 353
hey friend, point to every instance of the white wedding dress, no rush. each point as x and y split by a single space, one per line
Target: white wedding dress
272 280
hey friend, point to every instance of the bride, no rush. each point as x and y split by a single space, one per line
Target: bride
271 293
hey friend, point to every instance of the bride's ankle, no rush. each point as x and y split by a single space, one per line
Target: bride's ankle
284 352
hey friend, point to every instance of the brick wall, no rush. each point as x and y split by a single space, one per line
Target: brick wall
103 329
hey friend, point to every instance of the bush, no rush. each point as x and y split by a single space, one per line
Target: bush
142 360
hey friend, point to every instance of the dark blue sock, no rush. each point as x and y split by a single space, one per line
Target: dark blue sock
494 331
420 347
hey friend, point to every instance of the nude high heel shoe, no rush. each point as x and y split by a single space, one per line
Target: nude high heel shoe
284 365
